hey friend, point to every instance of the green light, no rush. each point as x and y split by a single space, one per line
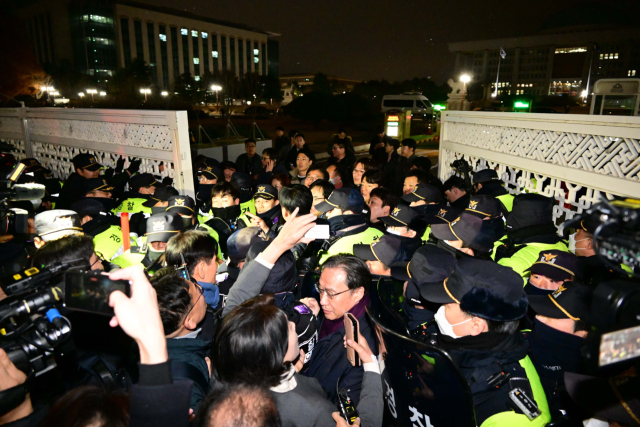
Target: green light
440 107
520 104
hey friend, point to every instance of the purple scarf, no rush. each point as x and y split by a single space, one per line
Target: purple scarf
330 326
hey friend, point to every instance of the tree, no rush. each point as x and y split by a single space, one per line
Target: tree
321 83
127 82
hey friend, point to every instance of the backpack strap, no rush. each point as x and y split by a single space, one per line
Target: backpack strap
190 372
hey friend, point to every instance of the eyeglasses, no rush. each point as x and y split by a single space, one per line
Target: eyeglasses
100 258
330 296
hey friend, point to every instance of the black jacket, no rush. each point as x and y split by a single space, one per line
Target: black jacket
378 154
462 202
250 166
192 352
393 172
283 141
72 190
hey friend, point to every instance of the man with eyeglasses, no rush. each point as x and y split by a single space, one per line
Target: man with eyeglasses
182 311
248 162
270 166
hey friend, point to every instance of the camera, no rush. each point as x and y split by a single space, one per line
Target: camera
462 167
14 220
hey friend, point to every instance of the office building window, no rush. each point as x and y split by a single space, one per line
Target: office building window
248 56
214 51
196 52
126 42
164 56
241 57
185 49
151 38
232 51
571 49
223 47
205 49
631 73
256 56
264 59
137 28
174 51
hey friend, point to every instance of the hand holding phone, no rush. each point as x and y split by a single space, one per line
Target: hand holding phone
89 291
352 332
319 231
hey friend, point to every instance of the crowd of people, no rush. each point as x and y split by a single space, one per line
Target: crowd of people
236 315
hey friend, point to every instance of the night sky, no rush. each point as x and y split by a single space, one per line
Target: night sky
378 39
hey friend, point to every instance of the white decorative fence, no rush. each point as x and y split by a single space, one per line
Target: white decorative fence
577 159
55 135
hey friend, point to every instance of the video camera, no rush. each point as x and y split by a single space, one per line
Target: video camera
462 167
31 340
614 344
14 220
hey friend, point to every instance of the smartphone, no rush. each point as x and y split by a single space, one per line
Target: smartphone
89 291
319 231
352 329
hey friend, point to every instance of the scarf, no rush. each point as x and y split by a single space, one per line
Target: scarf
331 326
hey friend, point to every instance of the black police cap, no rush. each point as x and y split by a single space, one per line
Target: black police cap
162 227
266 191
485 175
426 192
211 172
142 180
94 184
482 288
484 206
86 161
570 301
387 249
88 206
182 205
161 194
557 265
446 215
400 216
466 228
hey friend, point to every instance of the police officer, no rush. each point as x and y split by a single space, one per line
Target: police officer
141 187
268 212
556 341
99 190
208 176
225 215
244 182
427 201
530 230
160 228
381 254
458 236
490 210
86 166
487 182
55 224
185 207
343 208
406 224
477 324
102 225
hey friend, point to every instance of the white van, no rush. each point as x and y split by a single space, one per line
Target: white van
415 102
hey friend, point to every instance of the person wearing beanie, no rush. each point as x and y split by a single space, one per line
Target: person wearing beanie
487 183
477 324
348 226
530 230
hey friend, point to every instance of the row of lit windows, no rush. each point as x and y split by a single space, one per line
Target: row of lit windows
214 53
501 84
571 50
631 73
608 56
100 40
97 18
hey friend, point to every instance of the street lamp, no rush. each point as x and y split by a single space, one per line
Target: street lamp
91 92
216 89
146 91
465 78
103 93
81 95
164 93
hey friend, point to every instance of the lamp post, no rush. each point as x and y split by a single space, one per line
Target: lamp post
145 91
465 78
103 93
81 95
91 92
216 89
164 93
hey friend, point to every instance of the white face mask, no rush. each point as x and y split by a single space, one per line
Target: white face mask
395 232
573 241
445 327
333 180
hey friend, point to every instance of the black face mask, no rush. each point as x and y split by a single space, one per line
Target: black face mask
268 215
228 213
556 352
204 192
533 290
158 210
106 202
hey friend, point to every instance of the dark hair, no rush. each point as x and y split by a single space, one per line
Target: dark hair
194 245
422 176
297 196
238 405
393 142
227 164
307 152
341 130
300 134
357 272
454 181
174 299
340 143
509 327
251 344
292 133
410 142
284 179
327 187
372 177
379 129
422 163
367 163
249 140
76 249
345 175
83 405
317 168
387 196
271 152
280 128
225 188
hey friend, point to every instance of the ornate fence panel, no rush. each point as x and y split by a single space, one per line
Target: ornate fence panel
55 135
576 159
